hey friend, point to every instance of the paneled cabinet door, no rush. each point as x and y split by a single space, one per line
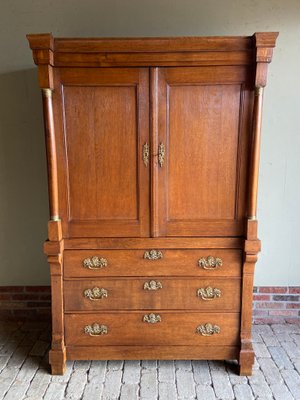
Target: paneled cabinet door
200 133
104 129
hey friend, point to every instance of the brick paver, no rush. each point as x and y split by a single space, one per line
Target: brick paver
24 371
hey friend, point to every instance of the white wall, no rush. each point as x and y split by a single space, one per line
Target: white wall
23 190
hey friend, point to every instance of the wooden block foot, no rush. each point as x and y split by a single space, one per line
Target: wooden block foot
245 370
57 359
246 362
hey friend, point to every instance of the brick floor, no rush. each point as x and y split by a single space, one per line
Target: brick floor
24 371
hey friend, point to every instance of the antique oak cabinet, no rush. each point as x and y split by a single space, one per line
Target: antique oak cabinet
153 153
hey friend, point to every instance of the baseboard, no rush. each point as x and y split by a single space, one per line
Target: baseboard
271 304
30 303
276 304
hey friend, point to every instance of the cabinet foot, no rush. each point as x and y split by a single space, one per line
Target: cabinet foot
246 362
57 359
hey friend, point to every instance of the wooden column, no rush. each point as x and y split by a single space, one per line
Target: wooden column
57 354
255 152
251 249
264 43
51 154
54 247
54 250
42 46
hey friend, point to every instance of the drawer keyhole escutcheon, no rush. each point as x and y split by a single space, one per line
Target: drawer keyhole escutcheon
146 154
208 329
95 262
96 329
153 255
152 285
210 262
209 293
152 318
161 154
95 294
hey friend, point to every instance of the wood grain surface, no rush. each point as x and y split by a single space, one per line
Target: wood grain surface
195 105
175 293
133 263
175 328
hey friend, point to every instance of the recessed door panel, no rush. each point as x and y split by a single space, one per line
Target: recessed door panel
106 119
203 141
200 188
102 151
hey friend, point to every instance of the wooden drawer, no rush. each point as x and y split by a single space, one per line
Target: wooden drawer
157 293
178 328
133 263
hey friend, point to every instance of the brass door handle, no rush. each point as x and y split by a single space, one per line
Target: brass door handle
95 293
153 255
95 262
161 154
208 329
152 285
152 318
210 262
146 154
96 329
209 293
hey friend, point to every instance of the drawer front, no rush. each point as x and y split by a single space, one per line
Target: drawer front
154 293
160 262
159 328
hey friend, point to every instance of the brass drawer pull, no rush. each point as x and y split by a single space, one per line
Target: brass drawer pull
209 293
95 262
152 285
210 262
96 329
152 318
95 293
161 154
208 329
153 255
146 154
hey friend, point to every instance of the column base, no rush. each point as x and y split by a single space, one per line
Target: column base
57 359
246 362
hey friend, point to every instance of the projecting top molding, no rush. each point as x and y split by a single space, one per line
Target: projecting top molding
166 51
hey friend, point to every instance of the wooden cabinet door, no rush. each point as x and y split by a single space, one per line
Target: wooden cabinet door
105 123
201 116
